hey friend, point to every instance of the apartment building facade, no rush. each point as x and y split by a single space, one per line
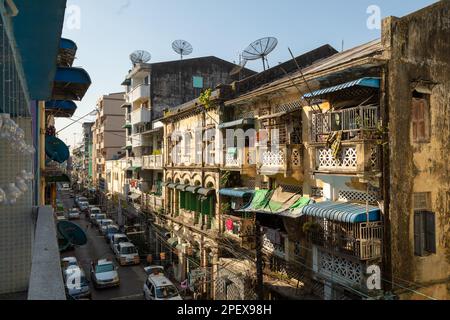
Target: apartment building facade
108 136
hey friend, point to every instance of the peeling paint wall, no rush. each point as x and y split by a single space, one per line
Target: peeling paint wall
418 49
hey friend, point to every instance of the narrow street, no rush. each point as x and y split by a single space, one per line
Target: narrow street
132 278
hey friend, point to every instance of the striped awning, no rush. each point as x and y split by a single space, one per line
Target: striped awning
206 192
343 212
182 187
172 185
373 83
192 189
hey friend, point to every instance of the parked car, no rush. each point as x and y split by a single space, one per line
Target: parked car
158 287
80 199
104 274
118 238
60 216
102 224
68 262
94 211
110 231
73 214
84 206
155 270
76 284
97 218
127 254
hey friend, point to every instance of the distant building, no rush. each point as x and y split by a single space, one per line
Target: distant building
108 137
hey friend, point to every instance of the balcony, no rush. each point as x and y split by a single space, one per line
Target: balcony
141 115
241 159
152 203
139 94
135 162
286 159
360 158
355 124
46 281
152 162
240 230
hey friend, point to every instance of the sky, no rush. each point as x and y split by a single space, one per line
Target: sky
107 31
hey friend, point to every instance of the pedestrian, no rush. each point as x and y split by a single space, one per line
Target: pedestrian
87 227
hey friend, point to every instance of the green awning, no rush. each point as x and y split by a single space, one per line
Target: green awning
182 187
127 148
134 169
192 189
127 126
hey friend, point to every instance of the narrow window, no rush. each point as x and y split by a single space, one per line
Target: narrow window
420 117
424 225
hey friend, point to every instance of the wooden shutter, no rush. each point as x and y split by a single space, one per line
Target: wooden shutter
430 232
420 120
418 234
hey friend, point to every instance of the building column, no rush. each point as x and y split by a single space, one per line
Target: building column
41 126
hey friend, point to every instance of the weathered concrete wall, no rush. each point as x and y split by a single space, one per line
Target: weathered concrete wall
172 83
418 50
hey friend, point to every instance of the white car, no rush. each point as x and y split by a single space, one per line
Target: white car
103 224
116 239
97 218
84 206
78 200
127 254
158 287
104 274
73 214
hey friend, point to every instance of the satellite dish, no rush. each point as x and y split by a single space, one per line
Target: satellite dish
238 68
182 47
140 56
260 49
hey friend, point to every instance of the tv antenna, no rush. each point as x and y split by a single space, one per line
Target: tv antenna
182 47
260 49
140 56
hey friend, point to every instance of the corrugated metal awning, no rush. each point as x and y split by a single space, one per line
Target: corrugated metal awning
236 192
363 82
237 123
343 212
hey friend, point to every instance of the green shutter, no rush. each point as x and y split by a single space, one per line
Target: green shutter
182 200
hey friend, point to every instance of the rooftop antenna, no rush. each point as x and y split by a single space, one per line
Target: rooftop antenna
140 56
260 49
182 47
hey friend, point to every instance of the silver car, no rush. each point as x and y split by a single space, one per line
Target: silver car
104 274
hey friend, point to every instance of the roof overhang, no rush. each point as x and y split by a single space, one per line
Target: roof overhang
236 192
37 34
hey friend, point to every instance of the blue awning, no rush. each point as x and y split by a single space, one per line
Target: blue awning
67 52
373 83
71 84
56 150
236 192
342 212
37 30
61 108
237 123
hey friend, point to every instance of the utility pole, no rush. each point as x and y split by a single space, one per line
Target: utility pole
259 263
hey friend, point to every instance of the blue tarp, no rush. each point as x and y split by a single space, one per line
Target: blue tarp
342 212
72 75
67 44
363 82
236 192
61 108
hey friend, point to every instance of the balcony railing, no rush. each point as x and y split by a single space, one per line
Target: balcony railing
140 115
152 162
352 122
152 203
358 158
46 281
363 241
240 158
284 159
139 93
